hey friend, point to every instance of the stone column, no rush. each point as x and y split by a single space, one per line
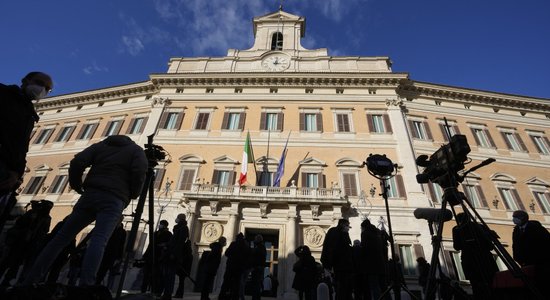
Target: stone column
291 245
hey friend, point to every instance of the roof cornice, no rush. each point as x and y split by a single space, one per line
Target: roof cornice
87 97
417 89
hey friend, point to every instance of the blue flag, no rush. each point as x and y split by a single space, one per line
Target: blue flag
281 167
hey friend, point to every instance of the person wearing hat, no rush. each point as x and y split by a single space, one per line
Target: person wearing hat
530 247
337 256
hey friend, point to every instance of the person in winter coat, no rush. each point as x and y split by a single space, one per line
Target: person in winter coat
337 256
305 278
117 173
211 265
175 255
237 254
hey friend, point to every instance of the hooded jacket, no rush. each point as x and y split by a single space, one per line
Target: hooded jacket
118 166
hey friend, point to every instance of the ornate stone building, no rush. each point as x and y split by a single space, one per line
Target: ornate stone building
334 111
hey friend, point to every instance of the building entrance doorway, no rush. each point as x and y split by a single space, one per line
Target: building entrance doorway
271 267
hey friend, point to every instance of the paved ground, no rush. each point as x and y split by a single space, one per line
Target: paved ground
187 296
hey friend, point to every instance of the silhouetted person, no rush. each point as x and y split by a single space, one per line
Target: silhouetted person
337 256
17 119
237 254
63 256
257 257
153 265
373 260
477 261
24 239
116 175
114 251
305 274
175 255
423 272
531 247
211 264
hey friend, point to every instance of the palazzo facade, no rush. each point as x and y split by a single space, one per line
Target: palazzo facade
334 111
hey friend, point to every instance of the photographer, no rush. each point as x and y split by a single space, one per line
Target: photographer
116 176
17 118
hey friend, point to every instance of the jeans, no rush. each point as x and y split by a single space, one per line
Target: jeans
103 207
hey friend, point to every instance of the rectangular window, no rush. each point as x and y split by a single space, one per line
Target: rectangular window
407 260
513 141
311 122
64 134
312 180
223 178
87 131
482 137
202 121
58 185
453 129
171 120
44 136
186 181
137 125
508 197
233 120
34 185
541 143
474 193
113 128
271 121
396 187
544 201
436 192
378 124
457 264
266 178
159 176
342 122
350 184
420 130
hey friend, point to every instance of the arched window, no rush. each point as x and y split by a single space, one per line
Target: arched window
277 41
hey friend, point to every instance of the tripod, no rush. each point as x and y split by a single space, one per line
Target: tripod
382 168
477 229
154 154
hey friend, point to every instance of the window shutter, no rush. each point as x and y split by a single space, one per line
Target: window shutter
159 175
432 192
225 122
520 142
489 137
506 140
350 185
400 186
118 127
370 123
444 132
179 121
447 257
412 129
502 198
215 176
387 124
232 176
263 125
418 250
547 196
143 124
106 128
48 135
304 179
93 130
428 131
54 183
129 129
319 122
302 121
33 132
163 118
70 133
280 121
242 118
517 199
481 196
81 132
322 180
59 134
187 179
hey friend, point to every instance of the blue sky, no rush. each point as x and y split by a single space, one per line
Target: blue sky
494 45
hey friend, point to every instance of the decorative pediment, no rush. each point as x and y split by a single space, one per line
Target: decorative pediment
224 159
43 167
270 161
191 159
537 181
348 162
502 177
64 165
313 162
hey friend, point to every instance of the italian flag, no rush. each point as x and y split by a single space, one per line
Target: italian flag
248 157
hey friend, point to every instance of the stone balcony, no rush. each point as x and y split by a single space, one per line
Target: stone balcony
257 194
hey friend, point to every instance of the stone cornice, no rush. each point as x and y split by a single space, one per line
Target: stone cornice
421 89
313 79
87 97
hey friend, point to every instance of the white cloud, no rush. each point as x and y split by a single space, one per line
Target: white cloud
133 45
94 68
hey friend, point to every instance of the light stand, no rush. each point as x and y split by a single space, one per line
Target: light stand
383 169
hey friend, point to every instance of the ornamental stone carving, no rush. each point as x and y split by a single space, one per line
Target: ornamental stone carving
314 211
394 102
160 101
212 231
263 210
314 236
214 207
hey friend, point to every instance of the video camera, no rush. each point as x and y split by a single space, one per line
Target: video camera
154 152
449 158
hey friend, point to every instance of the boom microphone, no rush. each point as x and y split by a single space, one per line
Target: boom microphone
433 214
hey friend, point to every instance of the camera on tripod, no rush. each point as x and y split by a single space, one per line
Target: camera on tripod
154 152
448 159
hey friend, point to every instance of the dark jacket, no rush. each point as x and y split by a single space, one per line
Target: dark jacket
237 254
372 246
337 252
176 247
305 269
118 166
17 118
213 259
531 246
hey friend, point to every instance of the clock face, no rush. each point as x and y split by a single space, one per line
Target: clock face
276 63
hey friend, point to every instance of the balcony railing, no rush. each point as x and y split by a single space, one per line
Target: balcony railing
266 192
